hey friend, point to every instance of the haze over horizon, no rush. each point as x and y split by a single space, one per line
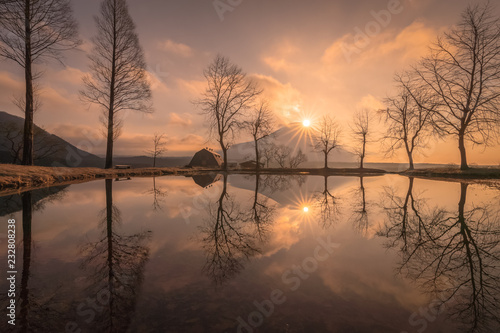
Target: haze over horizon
302 54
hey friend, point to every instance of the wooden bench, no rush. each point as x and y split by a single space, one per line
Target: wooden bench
122 166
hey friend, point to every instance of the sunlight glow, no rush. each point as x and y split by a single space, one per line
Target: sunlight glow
306 209
306 123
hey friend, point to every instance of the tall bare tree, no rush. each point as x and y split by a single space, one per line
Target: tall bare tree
260 125
31 31
327 137
361 131
159 147
463 72
228 95
119 79
407 118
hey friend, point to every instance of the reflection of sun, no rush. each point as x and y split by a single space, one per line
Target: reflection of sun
306 122
302 209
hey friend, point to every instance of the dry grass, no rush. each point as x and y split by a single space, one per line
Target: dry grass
20 177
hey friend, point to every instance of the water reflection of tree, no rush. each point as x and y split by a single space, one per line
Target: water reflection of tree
158 194
38 308
118 263
328 205
228 237
262 213
282 183
454 256
359 216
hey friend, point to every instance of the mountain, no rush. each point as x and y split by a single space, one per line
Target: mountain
295 136
50 150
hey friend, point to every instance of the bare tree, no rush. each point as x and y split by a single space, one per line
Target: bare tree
260 125
463 73
45 145
228 94
327 138
268 153
281 154
361 131
119 79
158 147
296 160
407 118
30 31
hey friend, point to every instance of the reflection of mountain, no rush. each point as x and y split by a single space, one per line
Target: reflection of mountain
293 136
285 189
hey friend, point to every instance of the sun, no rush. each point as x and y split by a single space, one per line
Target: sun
306 122
306 209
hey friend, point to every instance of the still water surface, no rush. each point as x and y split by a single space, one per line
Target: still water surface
256 254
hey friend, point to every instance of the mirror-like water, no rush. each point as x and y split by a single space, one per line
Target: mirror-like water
256 254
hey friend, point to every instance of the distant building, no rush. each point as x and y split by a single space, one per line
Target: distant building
206 158
250 165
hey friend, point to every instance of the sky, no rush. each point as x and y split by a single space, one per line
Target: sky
302 53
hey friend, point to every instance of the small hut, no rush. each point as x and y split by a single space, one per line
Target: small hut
206 158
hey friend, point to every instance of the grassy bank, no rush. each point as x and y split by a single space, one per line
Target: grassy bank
14 177
454 173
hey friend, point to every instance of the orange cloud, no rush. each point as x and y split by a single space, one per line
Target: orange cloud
285 100
176 48
177 120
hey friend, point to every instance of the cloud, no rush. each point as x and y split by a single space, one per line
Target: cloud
286 101
192 87
371 103
281 58
129 143
395 46
180 49
177 120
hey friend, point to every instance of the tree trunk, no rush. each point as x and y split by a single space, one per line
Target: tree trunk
154 161
111 110
409 152
326 160
224 152
410 160
109 147
257 156
28 116
363 153
463 153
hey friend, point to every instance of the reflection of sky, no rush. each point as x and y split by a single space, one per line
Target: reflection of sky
355 287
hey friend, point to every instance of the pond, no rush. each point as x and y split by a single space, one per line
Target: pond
247 253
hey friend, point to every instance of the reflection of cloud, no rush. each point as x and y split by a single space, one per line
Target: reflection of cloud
177 120
176 48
